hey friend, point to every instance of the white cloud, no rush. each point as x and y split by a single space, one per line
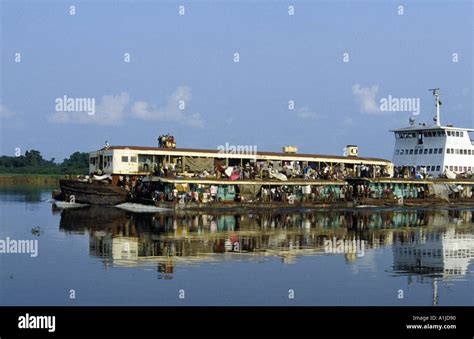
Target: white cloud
112 109
171 110
5 112
109 111
366 98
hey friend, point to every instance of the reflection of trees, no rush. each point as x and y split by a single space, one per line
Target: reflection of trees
26 193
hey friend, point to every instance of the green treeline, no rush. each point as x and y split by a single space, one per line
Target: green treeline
33 163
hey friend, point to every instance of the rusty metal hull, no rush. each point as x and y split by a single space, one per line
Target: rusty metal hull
95 193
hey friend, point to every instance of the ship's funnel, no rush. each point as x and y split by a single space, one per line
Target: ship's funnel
352 150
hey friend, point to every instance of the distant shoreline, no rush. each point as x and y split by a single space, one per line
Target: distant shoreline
30 179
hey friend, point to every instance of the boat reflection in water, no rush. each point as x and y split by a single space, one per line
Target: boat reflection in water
436 254
424 243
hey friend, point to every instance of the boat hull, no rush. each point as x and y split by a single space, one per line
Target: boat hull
95 193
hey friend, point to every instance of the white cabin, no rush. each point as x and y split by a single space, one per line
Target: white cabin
434 148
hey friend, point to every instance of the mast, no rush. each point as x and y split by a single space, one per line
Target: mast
436 94
435 291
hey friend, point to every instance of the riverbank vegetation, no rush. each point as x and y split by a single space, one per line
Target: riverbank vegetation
32 162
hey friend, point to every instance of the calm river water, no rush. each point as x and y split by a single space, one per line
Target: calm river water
107 256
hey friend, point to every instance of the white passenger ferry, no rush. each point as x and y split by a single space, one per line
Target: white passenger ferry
434 149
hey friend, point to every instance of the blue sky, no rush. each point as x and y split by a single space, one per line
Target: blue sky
191 58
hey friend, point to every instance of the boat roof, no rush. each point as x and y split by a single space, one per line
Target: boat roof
192 151
431 128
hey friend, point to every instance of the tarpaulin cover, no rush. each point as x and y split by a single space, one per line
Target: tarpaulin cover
219 162
200 164
102 177
182 187
279 176
249 192
228 171
441 190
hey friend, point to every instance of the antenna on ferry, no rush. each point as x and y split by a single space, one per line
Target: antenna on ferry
438 103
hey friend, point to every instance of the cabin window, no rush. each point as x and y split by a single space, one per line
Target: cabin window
124 158
411 151
107 160
440 150
438 168
461 134
449 133
431 151
133 159
435 151
420 138
457 134
426 151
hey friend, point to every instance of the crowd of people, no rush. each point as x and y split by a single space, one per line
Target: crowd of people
286 170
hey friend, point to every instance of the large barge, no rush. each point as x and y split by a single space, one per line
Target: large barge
239 176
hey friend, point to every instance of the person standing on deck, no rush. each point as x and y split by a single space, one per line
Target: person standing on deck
175 195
